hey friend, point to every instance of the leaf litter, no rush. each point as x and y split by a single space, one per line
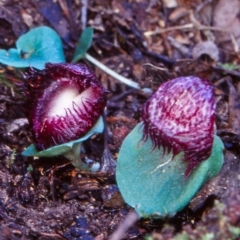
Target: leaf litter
52 200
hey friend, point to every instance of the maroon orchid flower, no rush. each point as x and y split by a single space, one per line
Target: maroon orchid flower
180 117
64 101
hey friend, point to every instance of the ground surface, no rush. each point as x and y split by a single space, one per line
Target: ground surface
149 42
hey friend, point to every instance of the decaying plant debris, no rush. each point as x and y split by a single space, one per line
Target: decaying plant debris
149 42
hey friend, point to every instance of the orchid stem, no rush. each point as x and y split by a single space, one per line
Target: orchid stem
110 72
74 157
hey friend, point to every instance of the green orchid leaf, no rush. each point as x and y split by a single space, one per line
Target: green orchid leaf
34 49
84 43
63 148
153 182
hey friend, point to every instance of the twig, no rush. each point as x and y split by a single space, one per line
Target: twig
122 95
64 7
184 50
84 14
157 31
182 27
51 235
228 71
128 222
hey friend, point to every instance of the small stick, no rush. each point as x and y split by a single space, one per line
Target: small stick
183 27
84 13
127 223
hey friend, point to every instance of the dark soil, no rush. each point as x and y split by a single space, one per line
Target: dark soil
48 198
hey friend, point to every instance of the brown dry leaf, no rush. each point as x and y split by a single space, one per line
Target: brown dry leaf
178 13
206 47
27 18
219 185
180 47
182 39
206 13
124 11
170 3
226 18
97 23
189 3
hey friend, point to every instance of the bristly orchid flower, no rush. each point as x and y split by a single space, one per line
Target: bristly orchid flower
64 102
168 156
180 117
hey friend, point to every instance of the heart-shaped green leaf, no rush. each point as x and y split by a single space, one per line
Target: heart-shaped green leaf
63 148
153 182
84 43
34 49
